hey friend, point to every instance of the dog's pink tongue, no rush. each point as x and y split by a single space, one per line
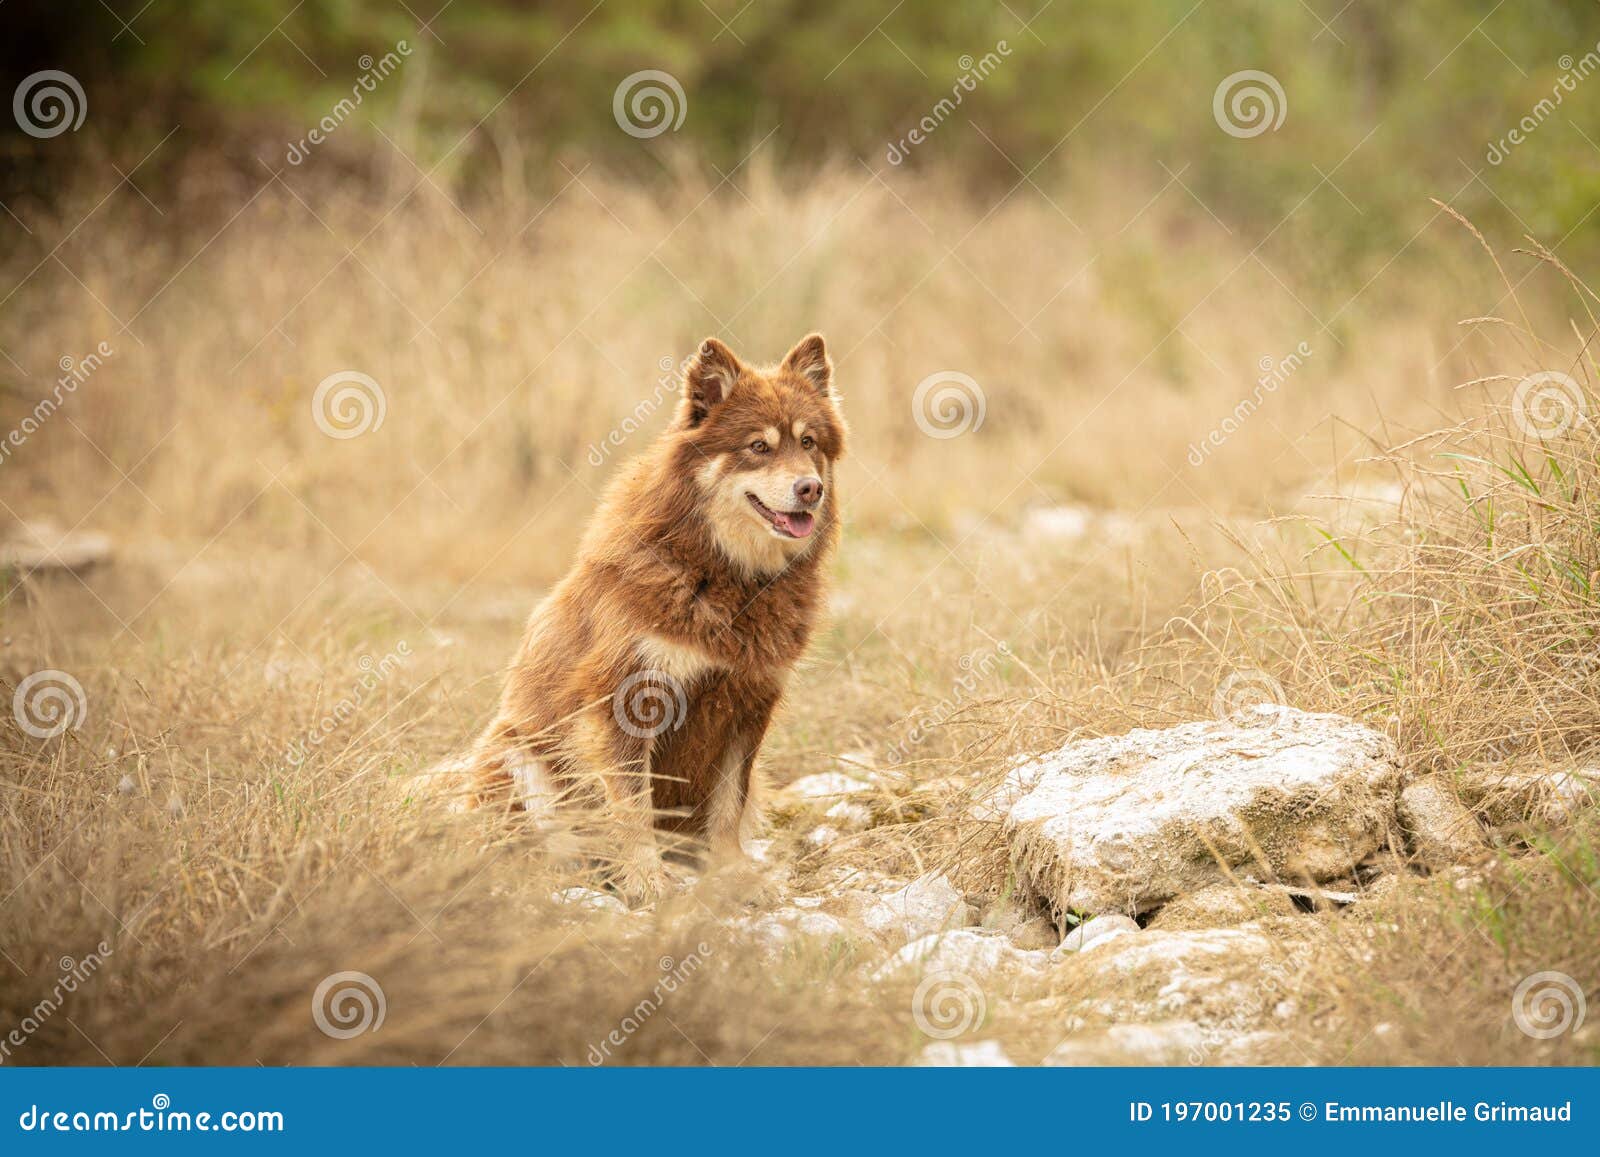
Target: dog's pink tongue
800 524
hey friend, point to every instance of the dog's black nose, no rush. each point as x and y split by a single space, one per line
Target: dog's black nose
808 491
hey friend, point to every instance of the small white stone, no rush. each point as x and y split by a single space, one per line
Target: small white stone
949 1054
823 835
1109 925
1440 830
1107 937
929 903
961 951
820 924
773 931
850 816
825 785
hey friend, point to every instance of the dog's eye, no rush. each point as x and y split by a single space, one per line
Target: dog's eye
758 447
808 442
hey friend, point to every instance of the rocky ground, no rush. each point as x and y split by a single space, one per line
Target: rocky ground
1168 889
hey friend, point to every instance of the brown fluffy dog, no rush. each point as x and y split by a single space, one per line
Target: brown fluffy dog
653 668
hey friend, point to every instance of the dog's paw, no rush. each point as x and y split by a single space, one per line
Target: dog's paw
641 882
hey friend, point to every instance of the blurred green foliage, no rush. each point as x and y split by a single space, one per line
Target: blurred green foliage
1387 104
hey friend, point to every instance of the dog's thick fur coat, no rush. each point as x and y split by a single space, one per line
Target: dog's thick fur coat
653 668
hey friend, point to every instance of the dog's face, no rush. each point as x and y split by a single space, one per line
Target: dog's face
766 441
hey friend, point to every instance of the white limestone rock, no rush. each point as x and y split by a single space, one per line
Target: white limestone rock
1125 823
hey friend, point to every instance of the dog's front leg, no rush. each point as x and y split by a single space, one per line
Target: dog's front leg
620 758
729 809
725 808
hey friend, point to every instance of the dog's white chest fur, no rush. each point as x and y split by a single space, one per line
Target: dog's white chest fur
676 661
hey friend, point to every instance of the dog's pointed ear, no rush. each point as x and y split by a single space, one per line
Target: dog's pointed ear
710 378
810 360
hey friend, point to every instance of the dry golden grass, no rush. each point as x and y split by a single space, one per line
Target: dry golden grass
261 563
513 334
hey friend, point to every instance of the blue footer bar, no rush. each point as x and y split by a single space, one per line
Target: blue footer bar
669 1111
